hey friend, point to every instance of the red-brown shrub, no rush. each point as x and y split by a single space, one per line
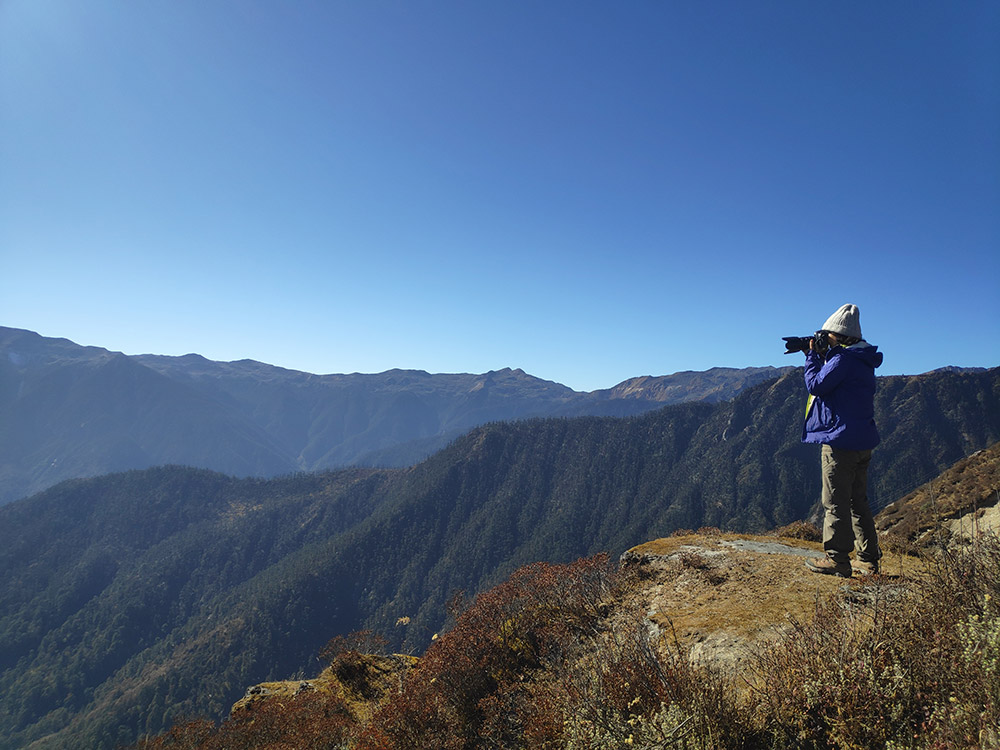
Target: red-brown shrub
477 679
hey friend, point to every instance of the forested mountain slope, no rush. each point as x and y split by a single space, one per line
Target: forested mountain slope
130 599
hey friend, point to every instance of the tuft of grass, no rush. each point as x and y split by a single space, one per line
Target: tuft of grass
810 532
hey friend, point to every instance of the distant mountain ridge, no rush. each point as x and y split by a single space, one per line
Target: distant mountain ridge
69 411
131 599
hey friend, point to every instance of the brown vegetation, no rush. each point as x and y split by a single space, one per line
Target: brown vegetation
593 655
956 504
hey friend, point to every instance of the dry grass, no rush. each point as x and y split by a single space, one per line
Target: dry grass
962 492
746 596
375 677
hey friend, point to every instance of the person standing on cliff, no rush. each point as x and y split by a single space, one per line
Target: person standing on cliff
840 416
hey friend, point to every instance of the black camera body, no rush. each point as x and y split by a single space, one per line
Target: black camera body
801 343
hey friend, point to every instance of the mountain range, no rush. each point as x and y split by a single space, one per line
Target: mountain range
70 411
133 598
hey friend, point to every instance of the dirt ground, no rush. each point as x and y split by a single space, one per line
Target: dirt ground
719 595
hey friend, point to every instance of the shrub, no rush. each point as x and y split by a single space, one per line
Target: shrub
914 667
308 721
349 660
478 680
800 530
545 661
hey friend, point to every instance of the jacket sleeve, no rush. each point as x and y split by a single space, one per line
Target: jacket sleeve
822 377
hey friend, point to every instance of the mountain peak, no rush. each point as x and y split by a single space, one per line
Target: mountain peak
713 385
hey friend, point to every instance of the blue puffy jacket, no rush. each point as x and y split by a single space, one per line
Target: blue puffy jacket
841 410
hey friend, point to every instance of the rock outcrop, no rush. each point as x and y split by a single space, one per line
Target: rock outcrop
361 683
720 595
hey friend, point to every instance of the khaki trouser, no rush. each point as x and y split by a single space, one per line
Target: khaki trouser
848 522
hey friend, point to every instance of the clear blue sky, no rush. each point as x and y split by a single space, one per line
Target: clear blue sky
589 191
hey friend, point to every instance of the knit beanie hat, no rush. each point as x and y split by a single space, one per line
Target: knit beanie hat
845 322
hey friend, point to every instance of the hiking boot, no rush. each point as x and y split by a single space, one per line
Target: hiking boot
864 568
829 567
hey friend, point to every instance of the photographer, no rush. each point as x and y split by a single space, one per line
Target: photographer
840 415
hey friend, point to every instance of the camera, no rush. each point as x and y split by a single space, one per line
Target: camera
801 343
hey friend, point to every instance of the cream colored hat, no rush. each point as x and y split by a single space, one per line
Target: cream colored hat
846 322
